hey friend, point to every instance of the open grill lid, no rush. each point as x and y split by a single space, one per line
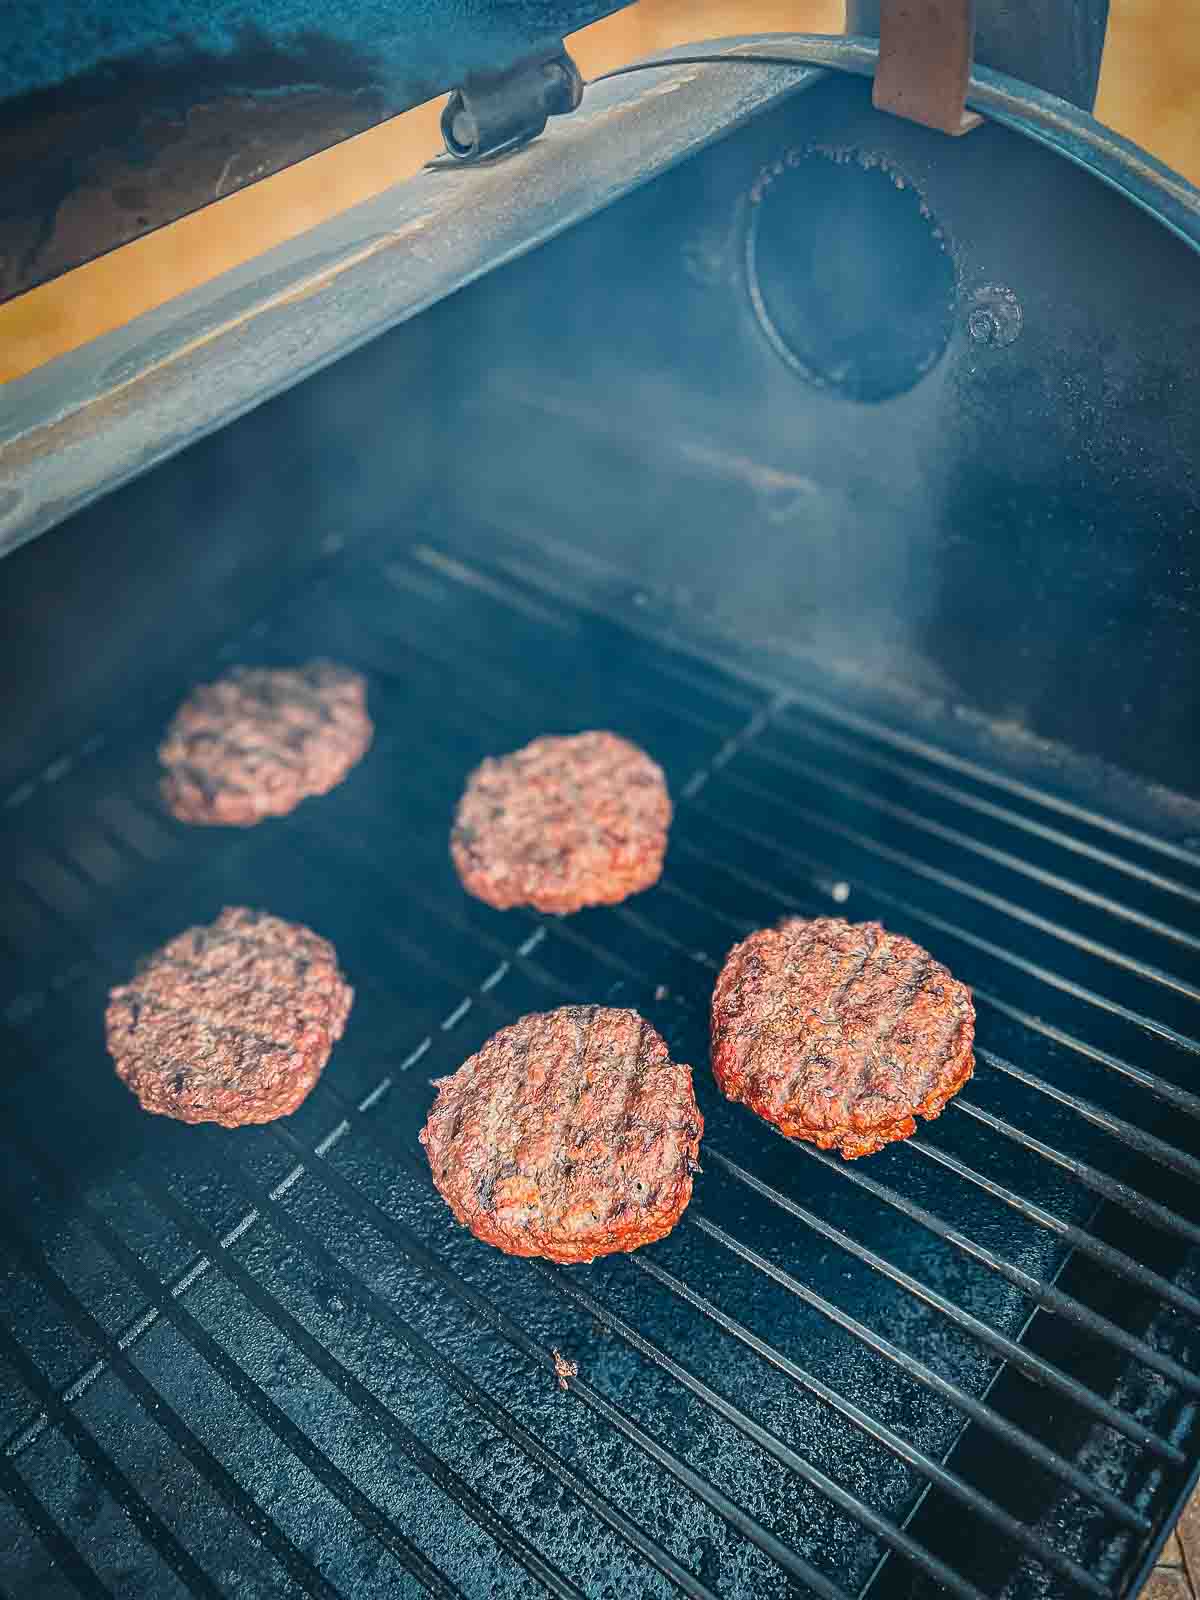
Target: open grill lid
99 415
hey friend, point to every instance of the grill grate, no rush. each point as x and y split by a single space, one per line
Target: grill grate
267 1362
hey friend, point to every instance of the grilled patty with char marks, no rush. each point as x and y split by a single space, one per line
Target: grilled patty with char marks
571 1134
563 823
840 1033
231 1023
261 739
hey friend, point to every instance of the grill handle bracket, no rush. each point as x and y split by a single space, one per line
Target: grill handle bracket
494 113
926 49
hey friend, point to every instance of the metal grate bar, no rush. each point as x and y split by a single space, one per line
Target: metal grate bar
1001 780
770 1441
879 1525
450 1482
977 1410
391 1144
66 1557
1116 1261
410 1246
1033 969
1015 1274
343 1380
672 659
265 1201
142 1323
1112 1258
1157 1149
966 841
538 577
547 979
792 903
1094 947
479 1399
957 1488
1032 1365
106 1472
985 808
642 703
260 1523
1043 1294
1161 1088
1111 1188
1002 858
1080 1314
495 679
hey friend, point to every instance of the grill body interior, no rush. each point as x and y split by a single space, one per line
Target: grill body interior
901 605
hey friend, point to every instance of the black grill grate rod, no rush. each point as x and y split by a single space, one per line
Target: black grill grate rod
956 1487
730 1412
794 1461
1117 1262
921 868
796 905
782 1452
1043 1294
436 1362
392 1146
166 1305
1112 1258
860 751
1032 1365
548 550
977 1410
1003 858
1127 1132
1032 969
715 1498
1111 1188
144 1518
783 700
64 1554
1080 1314
260 1523
1161 1088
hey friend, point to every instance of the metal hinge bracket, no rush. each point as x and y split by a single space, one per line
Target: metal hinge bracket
925 53
495 112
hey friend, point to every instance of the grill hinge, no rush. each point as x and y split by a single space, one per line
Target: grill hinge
925 53
495 112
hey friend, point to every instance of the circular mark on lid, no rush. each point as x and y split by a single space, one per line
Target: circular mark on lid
848 272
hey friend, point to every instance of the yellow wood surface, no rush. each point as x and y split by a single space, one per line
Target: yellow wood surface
1149 90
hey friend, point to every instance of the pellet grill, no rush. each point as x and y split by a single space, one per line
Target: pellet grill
851 469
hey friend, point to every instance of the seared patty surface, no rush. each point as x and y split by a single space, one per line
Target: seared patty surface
230 1023
840 1033
570 1135
261 739
563 823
